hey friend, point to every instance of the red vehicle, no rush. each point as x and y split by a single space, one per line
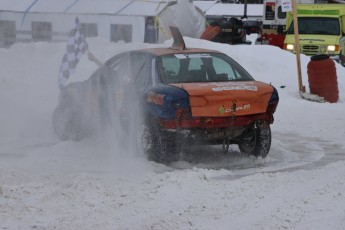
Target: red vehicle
274 23
231 30
225 30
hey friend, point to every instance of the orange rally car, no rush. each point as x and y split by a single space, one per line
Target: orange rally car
201 94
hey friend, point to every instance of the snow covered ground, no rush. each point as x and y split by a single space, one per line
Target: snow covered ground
93 184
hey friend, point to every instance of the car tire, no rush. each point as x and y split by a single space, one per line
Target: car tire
66 124
158 145
256 140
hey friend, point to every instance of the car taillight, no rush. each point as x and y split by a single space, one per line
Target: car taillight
273 102
272 107
183 113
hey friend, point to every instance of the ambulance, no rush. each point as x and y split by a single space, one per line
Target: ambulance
321 30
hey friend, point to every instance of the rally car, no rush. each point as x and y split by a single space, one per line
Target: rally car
163 93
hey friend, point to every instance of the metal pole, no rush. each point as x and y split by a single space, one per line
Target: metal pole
245 9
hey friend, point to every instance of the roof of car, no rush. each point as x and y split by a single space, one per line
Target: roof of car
164 51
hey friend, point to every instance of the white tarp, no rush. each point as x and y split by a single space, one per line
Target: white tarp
185 16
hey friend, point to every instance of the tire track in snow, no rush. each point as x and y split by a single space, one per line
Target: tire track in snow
289 152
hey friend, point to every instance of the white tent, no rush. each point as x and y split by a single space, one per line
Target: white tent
217 9
116 20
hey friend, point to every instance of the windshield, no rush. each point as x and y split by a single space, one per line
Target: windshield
200 67
316 25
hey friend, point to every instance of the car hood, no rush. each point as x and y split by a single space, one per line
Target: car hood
217 99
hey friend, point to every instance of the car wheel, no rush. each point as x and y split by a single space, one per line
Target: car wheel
66 124
256 140
157 144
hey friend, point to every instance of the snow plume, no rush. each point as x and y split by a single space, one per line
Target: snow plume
30 95
105 105
119 109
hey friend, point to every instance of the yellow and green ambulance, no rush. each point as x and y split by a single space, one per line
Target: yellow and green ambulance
321 30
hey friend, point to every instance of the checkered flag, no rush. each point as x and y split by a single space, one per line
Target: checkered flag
76 47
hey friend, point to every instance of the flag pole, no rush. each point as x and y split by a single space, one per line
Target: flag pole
301 87
93 58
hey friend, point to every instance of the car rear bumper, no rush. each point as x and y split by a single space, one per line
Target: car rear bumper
215 122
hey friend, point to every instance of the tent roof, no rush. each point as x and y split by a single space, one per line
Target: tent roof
114 7
15 5
214 8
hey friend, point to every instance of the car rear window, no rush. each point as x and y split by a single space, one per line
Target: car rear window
201 67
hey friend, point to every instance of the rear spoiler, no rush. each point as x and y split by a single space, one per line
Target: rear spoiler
178 42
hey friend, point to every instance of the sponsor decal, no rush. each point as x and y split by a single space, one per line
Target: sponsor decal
236 88
197 55
231 86
312 40
231 83
155 98
223 110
